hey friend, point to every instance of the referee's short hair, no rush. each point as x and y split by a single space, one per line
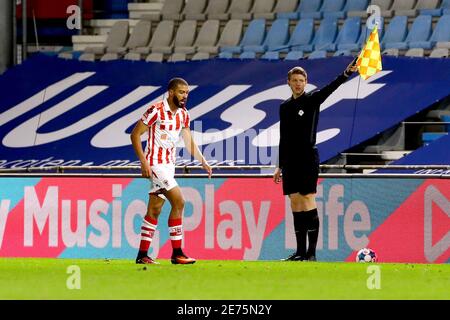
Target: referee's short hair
297 70
174 82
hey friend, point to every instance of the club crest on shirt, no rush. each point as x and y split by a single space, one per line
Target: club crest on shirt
301 112
164 136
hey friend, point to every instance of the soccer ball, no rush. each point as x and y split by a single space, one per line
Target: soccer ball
366 255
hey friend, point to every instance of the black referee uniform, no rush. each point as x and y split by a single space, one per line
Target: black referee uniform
298 155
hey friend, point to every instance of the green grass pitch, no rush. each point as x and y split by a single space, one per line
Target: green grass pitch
39 278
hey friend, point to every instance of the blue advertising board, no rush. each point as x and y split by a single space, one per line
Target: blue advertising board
69 112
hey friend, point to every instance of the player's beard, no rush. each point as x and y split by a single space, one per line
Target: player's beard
178 103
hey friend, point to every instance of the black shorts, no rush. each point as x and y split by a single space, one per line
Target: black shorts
301 176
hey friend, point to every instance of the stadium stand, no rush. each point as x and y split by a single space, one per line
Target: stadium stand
439 53
277 36
253 36
282 8
184 37
339 53
396 31
337 27
324 36
294 55
353 5
162 37
271 55
207 37
301 36
399 7
420 5
213 11
439 37
138 38
348 34
239 8
193 9
153 57
332 9
415 52
384 5
420 31
218 10
200 56
317 54
117 38
229 37
310 9
169 11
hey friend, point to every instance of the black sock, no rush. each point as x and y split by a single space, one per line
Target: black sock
313 224
300 226
177 252
141 254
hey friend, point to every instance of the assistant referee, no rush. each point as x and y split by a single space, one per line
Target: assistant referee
298 160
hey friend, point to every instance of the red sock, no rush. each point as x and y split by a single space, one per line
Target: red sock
176 232
147 231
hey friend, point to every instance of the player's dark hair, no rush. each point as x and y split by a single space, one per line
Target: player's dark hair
173 83
297 70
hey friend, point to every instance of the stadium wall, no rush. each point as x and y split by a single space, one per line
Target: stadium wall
402 219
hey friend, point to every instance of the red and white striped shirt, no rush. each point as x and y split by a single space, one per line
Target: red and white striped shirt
163 132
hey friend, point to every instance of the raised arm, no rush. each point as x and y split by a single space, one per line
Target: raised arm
322 94
193 149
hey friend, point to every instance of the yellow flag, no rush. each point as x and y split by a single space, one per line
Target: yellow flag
369 60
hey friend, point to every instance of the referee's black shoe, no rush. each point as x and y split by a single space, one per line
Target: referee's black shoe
294 257
311 258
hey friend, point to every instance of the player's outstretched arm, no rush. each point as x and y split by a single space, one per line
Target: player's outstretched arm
321 95
193 149
135 137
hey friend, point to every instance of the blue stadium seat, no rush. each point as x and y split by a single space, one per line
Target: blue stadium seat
443 9
349 33
248 55
445 6
271 55
428 137
333 8
277 36
396 31
441 33
225 55
318 54
350 5
358 44
291 15
429 7
364 34
420 31
325 35
254 35
294 55
340 53
310 9
302 35
355 5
